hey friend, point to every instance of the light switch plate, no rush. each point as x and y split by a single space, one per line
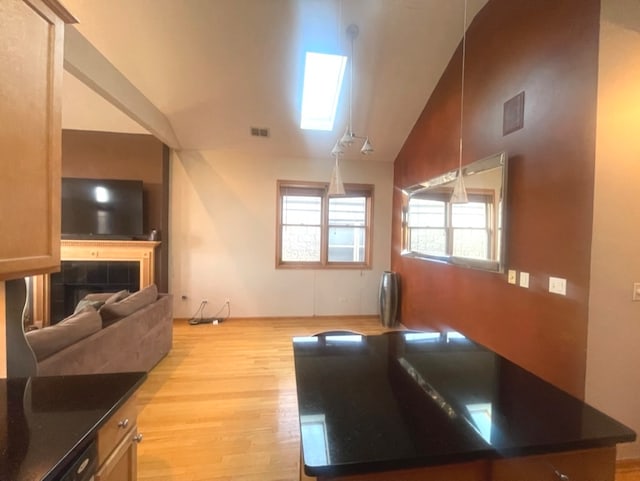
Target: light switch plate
511 276
524 279
558 285
636 291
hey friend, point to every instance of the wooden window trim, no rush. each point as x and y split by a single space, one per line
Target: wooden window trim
307 188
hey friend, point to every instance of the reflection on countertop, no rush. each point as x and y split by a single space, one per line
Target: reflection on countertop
406 399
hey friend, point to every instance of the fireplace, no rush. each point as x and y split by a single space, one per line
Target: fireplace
76 279
92 266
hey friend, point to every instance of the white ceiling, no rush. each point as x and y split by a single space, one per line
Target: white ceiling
217 67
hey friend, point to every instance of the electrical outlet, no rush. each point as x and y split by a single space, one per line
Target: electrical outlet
558 285
204 301
524 279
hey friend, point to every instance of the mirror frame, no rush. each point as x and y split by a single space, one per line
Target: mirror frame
448 178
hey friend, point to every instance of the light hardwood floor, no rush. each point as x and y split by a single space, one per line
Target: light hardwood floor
222 405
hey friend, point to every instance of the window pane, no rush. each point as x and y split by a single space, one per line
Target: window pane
428 241
472 243
348 211
426 213
323 75
471 214
301 210
300 244
346 244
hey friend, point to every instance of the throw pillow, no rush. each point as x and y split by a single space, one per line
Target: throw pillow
107 297
118 296
117 310
49 340
98 296
84 303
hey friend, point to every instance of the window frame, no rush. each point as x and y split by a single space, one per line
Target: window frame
321 189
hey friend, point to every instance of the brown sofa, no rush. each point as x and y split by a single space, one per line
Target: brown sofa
132 334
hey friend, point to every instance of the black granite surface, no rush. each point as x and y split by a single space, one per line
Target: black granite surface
45 421
408 399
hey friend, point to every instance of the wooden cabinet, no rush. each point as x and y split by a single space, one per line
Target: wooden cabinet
592 464
589 464
473 471
117 445
31 55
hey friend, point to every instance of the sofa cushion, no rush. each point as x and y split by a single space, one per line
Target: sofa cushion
116 310
49 340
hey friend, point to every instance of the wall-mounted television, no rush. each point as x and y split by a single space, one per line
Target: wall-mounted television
102 208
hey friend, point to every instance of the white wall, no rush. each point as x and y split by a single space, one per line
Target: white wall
613 357
223 221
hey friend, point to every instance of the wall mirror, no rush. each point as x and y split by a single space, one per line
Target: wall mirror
470 234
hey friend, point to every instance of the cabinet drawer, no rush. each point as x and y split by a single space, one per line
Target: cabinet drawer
121 424
121 465
588 465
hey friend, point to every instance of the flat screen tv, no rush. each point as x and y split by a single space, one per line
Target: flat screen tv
102 208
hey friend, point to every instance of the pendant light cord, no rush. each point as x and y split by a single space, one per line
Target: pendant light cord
464 51
352 35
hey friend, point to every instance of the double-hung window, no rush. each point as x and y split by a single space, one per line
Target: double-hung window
315 230
437 227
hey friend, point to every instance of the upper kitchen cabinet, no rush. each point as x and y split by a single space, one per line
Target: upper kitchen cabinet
31 55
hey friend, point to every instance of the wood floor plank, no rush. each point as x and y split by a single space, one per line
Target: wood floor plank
222 405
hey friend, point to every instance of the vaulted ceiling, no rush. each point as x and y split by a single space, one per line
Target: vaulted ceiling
215 68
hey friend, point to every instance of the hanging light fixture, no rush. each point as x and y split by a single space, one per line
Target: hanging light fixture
337 150
349 137
459 195
367 148
336 187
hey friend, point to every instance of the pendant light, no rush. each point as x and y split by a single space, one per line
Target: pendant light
337 150
349 137
336 187
367 148
459 195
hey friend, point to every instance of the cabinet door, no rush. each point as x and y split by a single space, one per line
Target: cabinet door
31 55
121 465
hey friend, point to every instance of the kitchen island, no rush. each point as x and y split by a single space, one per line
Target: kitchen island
48 422
423 405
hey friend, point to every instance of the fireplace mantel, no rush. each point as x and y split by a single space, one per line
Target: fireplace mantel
96 250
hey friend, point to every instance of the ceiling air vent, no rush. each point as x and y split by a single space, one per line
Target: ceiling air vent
259 132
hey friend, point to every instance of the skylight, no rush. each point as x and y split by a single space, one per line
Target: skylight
323 75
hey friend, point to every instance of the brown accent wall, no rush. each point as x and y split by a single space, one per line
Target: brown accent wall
111 155
549 50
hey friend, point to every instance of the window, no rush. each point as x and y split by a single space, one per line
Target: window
316 231
436 227
323 74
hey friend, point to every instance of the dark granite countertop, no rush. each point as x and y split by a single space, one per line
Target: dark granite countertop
407 399
46 420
